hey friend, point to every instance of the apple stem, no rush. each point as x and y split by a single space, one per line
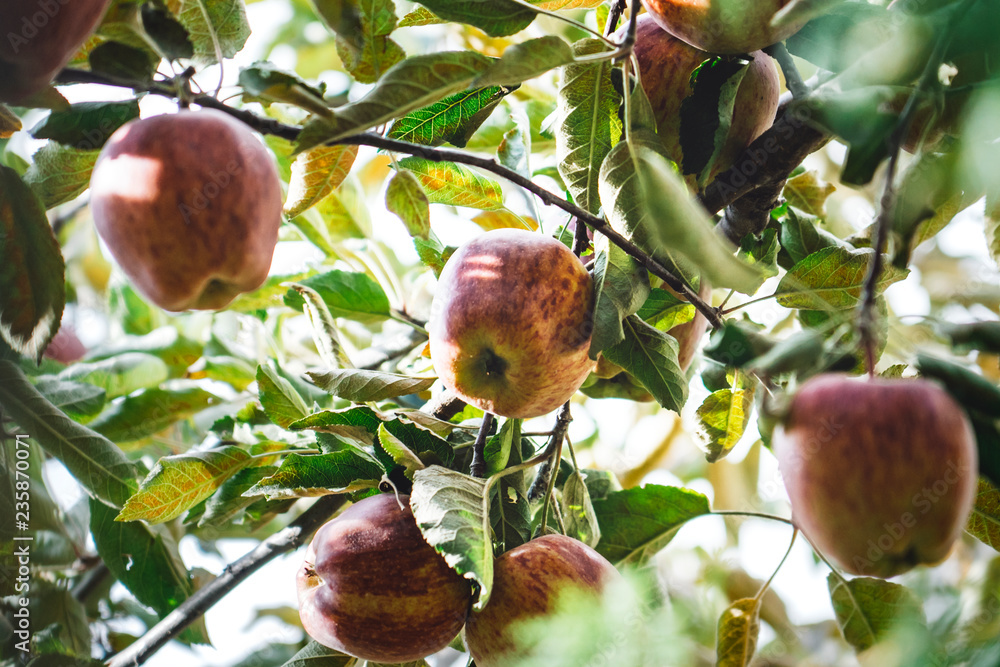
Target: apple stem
478 466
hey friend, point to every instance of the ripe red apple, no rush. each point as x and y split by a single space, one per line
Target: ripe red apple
511 323
666 65
65 347
38 38
881 474
722 26
527 582
189 204
372 587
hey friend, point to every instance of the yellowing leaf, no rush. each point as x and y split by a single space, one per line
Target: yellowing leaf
315 174
503 219
405 197
984 522
739 627
724 416
455 184
867 609
9 123
808 193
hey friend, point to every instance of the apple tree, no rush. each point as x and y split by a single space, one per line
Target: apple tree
639 333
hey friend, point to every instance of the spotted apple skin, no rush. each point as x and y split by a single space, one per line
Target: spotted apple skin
722 26
527 583
511 323
881 473
189 204
39 38
373 588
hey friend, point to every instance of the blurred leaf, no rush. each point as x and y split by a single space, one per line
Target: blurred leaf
455 184
119 375
453 119
739 627
760 252
405 197
737 344
984 522
527 60
801 236
58 609
99 466
650 356
347 294
420 16
497 18
448 507
216 27
264 81
723 418
706 115
301 476
88 125
177 483
78 400
314 653
578 511
971 390
324 329
637 523
800 352
32 293
621 286
122 61
832 278
167 33
411 84
588 125
59 174
503 219
315 174
278 397
9 122
362 386
149 411
983 336
808 193
166 343
868 609
234 371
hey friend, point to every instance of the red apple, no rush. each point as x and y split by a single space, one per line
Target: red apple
722 26
38 38
372 587
527 582
189 204
666 65
881 474
511 323
65 347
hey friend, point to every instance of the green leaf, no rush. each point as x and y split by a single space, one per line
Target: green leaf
400 453
983 336
278 397
723 418
808 193
167 34
59 174
149 411
166 343
637 523
453 119
800 352
970 389
78 400
358 423
354 296
315 174
324 328
497 18
832 278
362 386
143 558
527 60
314 653
448 507
739 627
588 125
706 115
88 125
411 84
761 252
664 310
319 475
801 236
455 184
177 483
422 441
365 49
99 466
229 500
234 371
578 511
405 197
737 344
646 200
498 448
213 25
868 609
121 61
32 293
119 375
264 81
651 357
621 285
984 522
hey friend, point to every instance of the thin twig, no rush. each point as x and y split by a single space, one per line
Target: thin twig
542 479
793 80
284 541
615 15
478 466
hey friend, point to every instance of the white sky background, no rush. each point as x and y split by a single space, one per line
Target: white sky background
801 584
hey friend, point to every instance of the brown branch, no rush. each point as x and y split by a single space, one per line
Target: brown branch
750 213
478 466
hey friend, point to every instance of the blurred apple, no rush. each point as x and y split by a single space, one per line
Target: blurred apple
511 323
65 347
881 474
527 582
372 587
189 204
722 26
39 38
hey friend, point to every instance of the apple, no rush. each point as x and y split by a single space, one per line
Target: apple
723 26
372 587
881 473
665 67
527 582
39 37
189 204
65 347
511 323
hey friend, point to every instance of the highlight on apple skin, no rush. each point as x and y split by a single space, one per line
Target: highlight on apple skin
723 26
39 38
189 204
881 474
372 587
511 323
527 583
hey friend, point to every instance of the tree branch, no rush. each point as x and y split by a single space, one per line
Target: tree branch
284 541
478 466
